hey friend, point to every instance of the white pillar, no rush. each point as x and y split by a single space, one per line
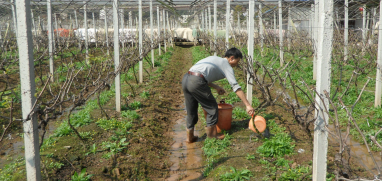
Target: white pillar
106 32
215 24
227 16
316 23
324 53
50 39
123 35
164 31
94 27
86 34
34 25
346 30
116 57
151 32
209 18
261 32
364 28
281 33
289 28
274 26
57 33
79 39
14 17
203 26
158 23
251 32
378 85
140 41
27 76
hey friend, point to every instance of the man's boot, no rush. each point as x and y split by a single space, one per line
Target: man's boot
212 132
191 138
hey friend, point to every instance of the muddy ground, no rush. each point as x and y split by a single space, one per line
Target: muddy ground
157 150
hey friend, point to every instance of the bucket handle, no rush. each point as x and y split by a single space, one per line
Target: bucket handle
222 101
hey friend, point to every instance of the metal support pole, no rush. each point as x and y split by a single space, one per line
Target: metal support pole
215 24
251 32
50 39
281 33
346 30
116 57
27 76
227 16
158 23
378 85
106 32
151 32
86 33
140 42
324 53
164 30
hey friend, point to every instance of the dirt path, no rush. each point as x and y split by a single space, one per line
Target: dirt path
186 158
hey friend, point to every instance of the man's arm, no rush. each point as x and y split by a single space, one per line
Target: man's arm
241 95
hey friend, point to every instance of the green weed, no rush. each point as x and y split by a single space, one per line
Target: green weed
13 171
145 95
135 105
236 175
277 146
114 124
115 147
82 176
239 113
130 114
250 157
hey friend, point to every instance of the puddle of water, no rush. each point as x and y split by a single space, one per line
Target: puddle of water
186 158
358 151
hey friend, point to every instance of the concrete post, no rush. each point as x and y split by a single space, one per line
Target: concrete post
238 22
324 53
57 33
50 39
227 16
251 32
316 20
289 28
206 19
123 35
79 39
14 17
281 33
378 85
215 24
158 23
311 20
261 28
116 57
75 16
86 33
106 32
140 42
151 32
346 30
94 27
203 26
209 18
34 25
27 76
164 31
274 26
364 28
130 20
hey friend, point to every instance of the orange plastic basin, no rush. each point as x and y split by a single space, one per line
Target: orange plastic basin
260 123
224 116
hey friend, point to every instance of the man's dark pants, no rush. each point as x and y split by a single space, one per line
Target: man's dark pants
196 90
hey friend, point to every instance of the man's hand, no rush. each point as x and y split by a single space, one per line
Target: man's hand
220 90
250 110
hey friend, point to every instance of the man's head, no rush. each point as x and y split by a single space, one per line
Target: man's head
233 56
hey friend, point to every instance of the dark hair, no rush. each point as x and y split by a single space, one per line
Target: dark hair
233 52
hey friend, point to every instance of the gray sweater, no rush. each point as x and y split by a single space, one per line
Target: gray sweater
215 68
